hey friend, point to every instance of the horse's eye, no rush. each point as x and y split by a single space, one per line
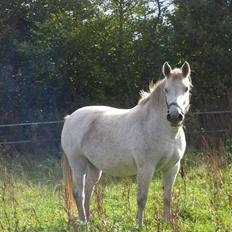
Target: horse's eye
186 89
166 90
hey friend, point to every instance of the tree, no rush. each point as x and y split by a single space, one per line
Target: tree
14 29
203 35
91 58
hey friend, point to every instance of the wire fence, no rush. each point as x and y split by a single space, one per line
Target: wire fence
49 140
30 123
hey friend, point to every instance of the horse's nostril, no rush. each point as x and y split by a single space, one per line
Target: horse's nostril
175 119
180 117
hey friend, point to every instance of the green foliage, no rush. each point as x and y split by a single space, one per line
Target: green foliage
56 57
95 56
228 149
203 32
79 53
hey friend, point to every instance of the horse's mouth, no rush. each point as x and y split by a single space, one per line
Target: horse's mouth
178 124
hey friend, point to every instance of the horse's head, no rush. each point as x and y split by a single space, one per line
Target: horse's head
177 92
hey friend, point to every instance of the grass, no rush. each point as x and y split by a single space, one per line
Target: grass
31 198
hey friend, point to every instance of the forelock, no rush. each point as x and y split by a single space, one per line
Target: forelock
176 73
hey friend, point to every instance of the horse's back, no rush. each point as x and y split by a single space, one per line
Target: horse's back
82 119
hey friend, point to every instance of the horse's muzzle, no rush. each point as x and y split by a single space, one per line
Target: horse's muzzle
175 119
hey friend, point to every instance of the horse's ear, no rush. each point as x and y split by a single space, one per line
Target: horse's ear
186 69
166 69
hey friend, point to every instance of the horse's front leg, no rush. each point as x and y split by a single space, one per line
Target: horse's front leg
168 181
144 177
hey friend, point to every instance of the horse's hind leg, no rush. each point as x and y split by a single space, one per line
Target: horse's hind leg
92 177
79 166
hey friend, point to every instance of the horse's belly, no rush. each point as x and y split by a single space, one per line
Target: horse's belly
113 164
120 171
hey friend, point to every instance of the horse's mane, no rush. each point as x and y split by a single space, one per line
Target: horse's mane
155 89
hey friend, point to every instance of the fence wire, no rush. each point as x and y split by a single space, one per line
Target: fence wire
27 141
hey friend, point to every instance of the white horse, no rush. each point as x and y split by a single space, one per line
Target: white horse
125 142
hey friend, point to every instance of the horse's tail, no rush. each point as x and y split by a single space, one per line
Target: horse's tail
70 203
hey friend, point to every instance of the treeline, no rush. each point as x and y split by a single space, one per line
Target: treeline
56 56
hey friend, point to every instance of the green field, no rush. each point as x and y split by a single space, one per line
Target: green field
31 198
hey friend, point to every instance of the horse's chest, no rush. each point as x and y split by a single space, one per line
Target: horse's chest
169 157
